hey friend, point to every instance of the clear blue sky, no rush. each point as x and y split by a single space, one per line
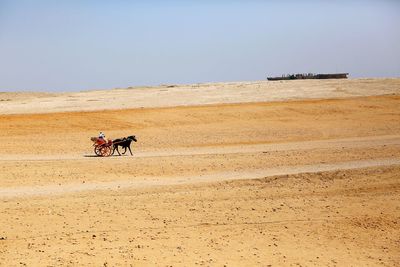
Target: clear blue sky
75 45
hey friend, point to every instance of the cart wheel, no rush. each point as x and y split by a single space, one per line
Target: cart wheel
105 151
97 150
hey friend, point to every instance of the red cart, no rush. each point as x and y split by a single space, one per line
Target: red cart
102 148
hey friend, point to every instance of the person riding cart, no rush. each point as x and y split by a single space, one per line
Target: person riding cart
102 139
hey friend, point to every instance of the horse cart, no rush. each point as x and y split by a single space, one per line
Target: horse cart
102 148
105 148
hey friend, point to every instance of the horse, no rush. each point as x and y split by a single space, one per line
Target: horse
125 143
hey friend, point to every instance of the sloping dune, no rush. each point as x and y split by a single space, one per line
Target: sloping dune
198 94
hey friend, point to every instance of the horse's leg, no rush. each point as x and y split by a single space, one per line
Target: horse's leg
130 150
116 148
124 150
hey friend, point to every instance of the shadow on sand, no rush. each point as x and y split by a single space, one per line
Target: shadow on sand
95 156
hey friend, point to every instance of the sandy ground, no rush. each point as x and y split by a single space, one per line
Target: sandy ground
309 181
197 94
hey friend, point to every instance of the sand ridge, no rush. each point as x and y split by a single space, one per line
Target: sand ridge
197 94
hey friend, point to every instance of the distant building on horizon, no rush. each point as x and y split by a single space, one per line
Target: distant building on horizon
304 76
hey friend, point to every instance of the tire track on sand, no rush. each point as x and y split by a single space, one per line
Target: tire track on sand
49 190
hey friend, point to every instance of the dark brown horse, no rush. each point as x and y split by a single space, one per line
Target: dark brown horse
124 143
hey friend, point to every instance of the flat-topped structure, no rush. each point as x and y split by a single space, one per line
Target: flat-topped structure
303 76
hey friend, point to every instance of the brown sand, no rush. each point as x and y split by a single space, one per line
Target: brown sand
208 185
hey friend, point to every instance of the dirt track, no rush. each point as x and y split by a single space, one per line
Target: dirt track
305 182
49 190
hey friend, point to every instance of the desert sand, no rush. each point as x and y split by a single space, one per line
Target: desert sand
296 173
